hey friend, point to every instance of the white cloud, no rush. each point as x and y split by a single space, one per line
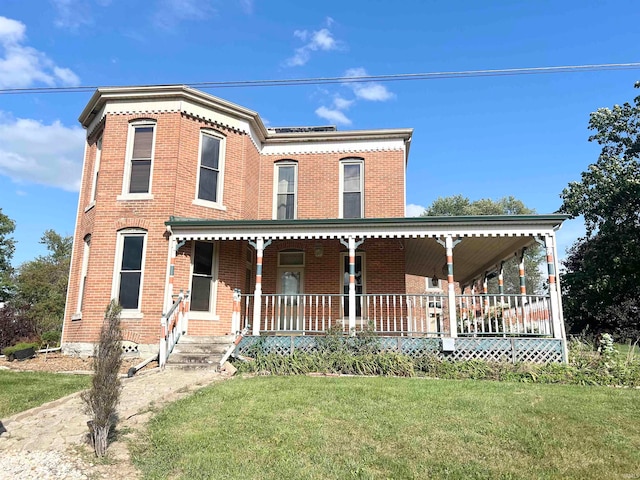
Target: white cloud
322 39
371 91
11 31
33 152
22 66
71 14
333 115
413 210
342 103
172 12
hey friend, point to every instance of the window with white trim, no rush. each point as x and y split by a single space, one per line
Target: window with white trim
352 188
211 167
139 164
96 169
285 190
83 274
203 277
129 268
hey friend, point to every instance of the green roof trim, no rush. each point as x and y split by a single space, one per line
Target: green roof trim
473 219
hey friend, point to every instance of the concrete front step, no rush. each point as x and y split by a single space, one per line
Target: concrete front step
199 352
215 348
210 339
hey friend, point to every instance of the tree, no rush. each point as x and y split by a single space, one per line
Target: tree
602 274
7 247
459 205
41 284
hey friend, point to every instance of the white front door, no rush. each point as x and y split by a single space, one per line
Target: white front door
290 286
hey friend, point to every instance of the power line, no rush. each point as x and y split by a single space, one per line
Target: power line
359 79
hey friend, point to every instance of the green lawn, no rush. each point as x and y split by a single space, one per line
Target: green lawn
629 348
316 428
24 390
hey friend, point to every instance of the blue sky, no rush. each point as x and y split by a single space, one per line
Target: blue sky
482 137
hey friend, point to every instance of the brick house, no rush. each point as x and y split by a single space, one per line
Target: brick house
285 231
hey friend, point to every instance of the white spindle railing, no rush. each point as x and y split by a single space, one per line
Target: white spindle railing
300 313
489 314
403 314
173 326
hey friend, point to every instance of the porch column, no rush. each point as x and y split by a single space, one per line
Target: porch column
521 274
501 292
351 244
553 287
485 292
168 301
501 281
259 245
523 289
449 244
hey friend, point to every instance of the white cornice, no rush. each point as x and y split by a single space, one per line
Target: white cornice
324 146
178 98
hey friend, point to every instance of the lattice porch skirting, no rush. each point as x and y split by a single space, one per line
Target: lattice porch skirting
536 350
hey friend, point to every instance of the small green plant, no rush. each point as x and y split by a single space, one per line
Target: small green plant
50 338
103 396
8 351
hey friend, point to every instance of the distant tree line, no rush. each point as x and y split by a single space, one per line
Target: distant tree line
34 293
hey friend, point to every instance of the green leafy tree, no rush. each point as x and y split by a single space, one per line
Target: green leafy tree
7 247
41 284
602 277
459 205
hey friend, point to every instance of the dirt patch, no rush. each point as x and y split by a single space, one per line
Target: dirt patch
57 363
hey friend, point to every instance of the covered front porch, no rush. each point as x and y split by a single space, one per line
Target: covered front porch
304 277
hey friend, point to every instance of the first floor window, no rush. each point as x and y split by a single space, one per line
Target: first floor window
83 273
203 276
130 270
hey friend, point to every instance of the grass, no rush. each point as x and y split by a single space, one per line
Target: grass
628 349
316 427
21 391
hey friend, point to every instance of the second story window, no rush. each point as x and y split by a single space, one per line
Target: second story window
285 190
139 158
96 169
352 188
210 174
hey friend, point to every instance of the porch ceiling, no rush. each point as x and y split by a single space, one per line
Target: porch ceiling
472 257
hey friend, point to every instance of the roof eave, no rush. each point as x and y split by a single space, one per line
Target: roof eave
157 92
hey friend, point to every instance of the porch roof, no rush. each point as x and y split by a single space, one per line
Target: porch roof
486 239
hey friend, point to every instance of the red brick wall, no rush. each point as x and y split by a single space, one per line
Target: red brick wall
247 193
383 184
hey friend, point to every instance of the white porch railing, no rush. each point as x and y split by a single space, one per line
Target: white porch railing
174 324
488 314
385 314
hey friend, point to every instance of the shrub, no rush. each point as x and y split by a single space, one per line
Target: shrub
19 346
14 326
103 396
51 338
586 365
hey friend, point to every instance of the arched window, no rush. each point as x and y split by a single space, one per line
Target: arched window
211 168
129 269
285 190
351 188
139 161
